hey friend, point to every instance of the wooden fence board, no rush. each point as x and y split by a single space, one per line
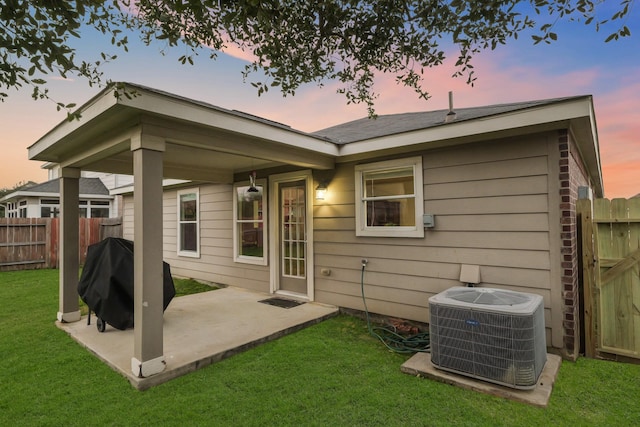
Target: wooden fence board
28 243
634 274
589 260
612 281
22 240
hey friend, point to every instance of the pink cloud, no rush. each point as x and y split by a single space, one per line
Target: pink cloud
235 51
616 111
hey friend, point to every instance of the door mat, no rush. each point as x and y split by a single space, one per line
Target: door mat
281 302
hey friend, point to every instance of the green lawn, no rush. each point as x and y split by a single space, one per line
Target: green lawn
331 374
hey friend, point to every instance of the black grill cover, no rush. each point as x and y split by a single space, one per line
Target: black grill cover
106 283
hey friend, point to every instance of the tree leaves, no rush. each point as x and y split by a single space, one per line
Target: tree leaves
294 42
34 42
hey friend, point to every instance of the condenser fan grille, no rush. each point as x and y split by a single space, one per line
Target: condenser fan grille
488 296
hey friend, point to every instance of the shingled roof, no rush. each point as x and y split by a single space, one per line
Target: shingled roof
88 186
391 124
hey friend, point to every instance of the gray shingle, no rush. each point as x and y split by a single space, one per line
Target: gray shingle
87 186
391 124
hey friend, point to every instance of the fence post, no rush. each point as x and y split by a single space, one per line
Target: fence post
589 261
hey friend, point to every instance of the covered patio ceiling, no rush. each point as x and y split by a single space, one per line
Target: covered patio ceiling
201 142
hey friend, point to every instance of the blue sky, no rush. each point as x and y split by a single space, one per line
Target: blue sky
578 63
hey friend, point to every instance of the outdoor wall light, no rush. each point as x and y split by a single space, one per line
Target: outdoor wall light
321 191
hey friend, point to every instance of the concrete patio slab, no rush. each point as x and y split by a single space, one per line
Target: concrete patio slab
420 364
201 329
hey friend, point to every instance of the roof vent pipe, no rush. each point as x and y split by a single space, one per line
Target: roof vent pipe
451 115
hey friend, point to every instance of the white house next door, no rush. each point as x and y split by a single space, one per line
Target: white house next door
292 268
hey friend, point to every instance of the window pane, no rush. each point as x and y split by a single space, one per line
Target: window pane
188 237
391 213
251 237
83 212
45 212
249 203
389 183
188 208
99 212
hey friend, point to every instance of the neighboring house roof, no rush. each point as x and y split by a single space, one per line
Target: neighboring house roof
390 124
89 188
203 142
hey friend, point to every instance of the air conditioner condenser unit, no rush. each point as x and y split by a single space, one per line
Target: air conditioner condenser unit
490 334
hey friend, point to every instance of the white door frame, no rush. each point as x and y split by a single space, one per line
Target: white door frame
274 238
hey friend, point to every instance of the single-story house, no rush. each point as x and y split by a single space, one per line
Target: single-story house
420 196
43 200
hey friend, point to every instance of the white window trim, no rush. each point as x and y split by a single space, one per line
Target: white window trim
361 225
264 260
196 253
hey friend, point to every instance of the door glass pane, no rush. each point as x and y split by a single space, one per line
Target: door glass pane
293 230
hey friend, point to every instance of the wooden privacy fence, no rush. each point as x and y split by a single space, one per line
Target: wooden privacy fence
611 277
30 243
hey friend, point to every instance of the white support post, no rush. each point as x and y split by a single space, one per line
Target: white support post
148 357
69 310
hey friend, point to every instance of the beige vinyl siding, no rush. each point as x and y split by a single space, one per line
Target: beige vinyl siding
127 217
215 263
491 206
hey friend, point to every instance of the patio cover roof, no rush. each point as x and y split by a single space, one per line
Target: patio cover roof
203 142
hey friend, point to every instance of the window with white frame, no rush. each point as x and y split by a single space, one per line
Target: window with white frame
389 198
189 223
50 208
249 219
22 210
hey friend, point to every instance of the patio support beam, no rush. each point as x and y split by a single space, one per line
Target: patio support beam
148 357
69 310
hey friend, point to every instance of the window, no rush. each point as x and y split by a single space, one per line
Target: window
99 212
249 218
189 223
100 208
389 199
50 208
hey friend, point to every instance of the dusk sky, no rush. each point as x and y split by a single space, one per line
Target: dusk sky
579 63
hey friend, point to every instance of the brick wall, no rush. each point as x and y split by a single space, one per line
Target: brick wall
572 176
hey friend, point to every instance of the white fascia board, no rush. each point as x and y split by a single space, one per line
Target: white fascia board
121 190
96 196
13 195
493 124
184 110
89 111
